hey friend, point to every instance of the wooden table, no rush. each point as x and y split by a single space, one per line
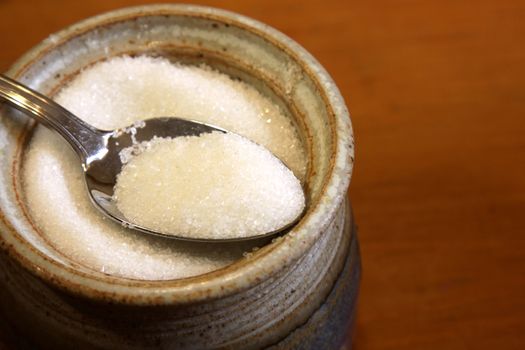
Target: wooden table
437 95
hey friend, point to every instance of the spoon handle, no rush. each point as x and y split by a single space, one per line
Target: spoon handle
87 141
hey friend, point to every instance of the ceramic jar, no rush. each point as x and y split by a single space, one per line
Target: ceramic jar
299 291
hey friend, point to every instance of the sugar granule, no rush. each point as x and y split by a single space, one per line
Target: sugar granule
216 185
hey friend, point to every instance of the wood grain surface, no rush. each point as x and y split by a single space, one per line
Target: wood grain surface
436 90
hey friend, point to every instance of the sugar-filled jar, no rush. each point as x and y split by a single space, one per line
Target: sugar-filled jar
296 291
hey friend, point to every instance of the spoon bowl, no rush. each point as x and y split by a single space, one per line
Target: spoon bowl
99 150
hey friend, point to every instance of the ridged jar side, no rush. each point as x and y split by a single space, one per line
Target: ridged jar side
260 316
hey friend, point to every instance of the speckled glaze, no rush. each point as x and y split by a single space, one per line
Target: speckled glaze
298 292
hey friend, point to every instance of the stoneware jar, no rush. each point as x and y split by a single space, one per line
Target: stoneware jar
297 292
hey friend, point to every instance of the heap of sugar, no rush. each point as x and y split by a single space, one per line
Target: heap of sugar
216 185
114 94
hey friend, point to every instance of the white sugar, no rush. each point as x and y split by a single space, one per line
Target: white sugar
211 186
114 94
118 92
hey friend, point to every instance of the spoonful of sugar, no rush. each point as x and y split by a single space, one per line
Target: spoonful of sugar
174 177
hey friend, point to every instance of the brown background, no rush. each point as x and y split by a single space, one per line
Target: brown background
436 90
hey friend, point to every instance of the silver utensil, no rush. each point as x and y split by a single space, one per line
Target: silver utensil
99 150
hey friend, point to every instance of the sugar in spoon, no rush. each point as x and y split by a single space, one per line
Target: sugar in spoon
99 150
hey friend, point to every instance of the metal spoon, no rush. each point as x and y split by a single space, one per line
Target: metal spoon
99 149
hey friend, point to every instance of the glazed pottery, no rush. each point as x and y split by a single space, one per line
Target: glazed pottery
297 292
